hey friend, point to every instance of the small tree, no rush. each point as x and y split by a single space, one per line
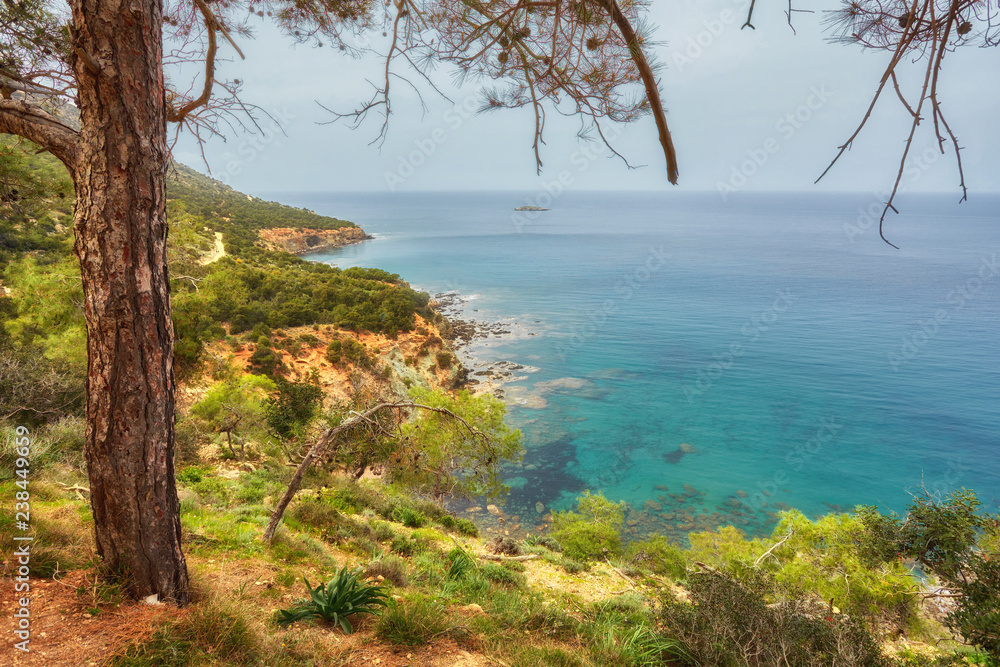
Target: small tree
473 445
440 456
236 406
951 540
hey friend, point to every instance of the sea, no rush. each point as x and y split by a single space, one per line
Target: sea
716 362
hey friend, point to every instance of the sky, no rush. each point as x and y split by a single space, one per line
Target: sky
749 110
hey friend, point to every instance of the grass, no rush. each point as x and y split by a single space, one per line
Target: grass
212 633
412 621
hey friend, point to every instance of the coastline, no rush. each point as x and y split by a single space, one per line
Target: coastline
471 340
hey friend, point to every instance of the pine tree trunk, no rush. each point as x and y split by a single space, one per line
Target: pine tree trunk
121 236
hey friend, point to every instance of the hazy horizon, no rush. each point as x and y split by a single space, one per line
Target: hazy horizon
755 110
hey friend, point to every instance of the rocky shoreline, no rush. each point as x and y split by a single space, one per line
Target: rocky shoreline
469 338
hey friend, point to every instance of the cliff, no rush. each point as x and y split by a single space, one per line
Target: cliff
418 358
304 240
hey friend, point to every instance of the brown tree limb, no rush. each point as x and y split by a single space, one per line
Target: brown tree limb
211 23
35 124
652 90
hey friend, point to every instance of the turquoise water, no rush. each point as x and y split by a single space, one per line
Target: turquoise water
803 363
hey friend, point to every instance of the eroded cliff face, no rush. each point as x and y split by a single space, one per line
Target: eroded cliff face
419 358
304 240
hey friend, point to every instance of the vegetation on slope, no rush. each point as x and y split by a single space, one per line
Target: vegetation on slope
250 287
725 600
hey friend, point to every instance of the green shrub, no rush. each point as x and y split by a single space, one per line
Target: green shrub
950 538
583 540
594 532
409 517
193 474
660 556
345 351
502 575
295 405
544 542
406 546
212 490
976 616
466 527
459 525
382 532
342 597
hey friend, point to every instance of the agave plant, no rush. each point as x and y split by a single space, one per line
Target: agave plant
342 596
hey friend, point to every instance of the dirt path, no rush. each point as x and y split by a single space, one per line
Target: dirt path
218 252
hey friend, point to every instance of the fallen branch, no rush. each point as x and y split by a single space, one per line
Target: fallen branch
80 490
511 558
620 573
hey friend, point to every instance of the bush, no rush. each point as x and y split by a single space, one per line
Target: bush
406 546
409 517
820 557
660 556
543 541
348 351
459 525
264 361
594 532
977 613
295 405
502 575
749 621
342 597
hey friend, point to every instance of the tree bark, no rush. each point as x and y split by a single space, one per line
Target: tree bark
121 235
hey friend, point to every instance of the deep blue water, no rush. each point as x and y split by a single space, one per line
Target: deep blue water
806 362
